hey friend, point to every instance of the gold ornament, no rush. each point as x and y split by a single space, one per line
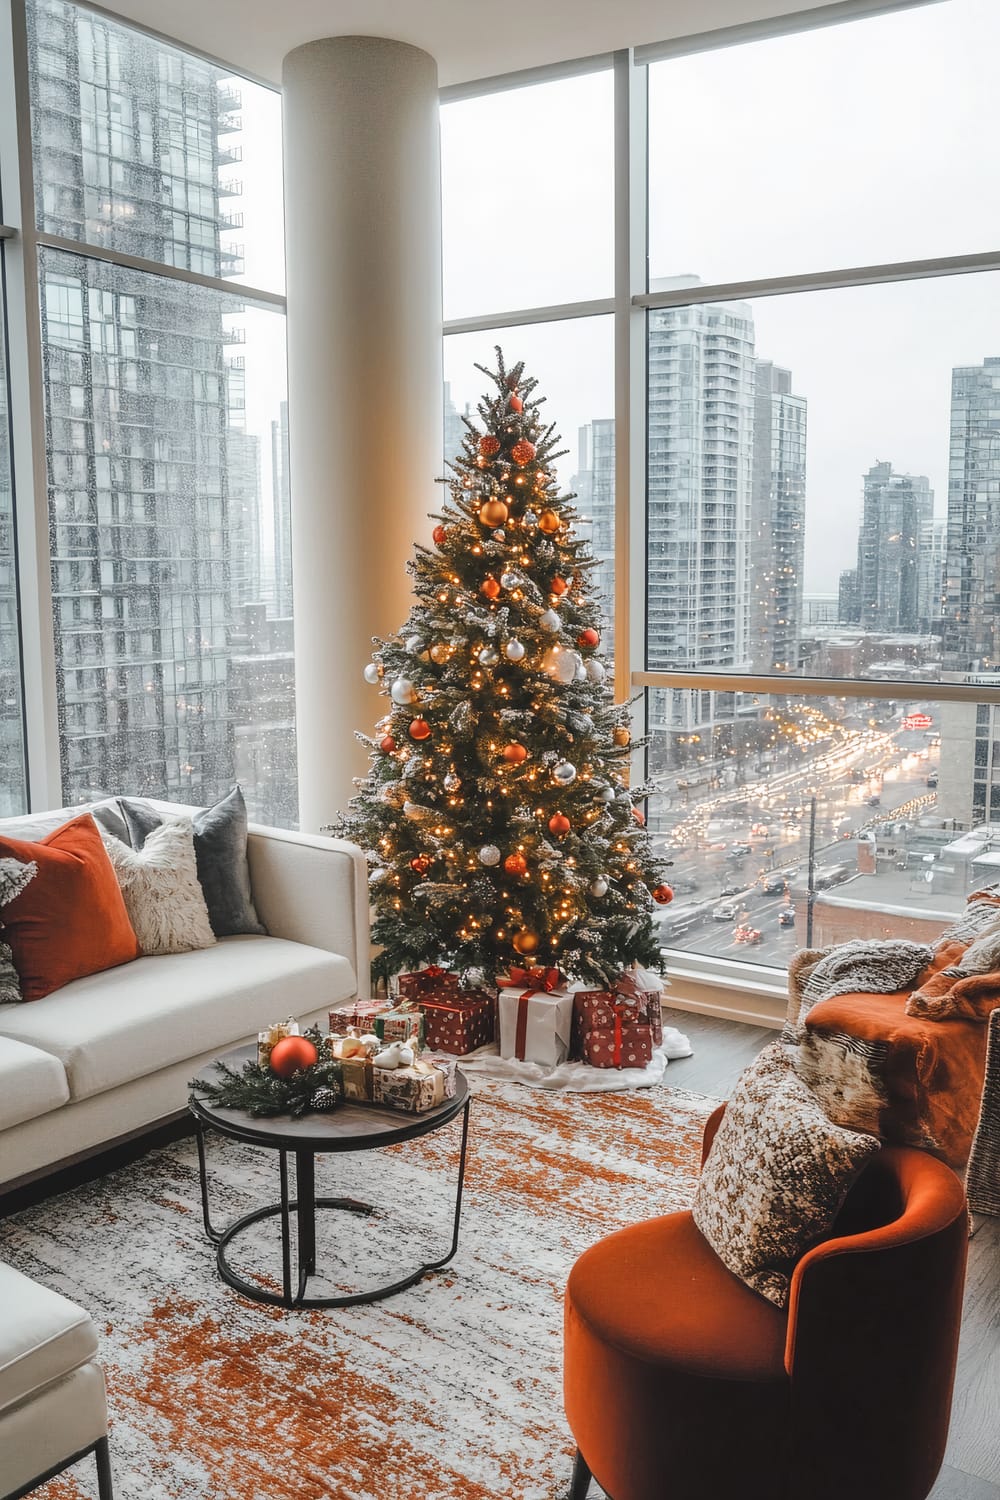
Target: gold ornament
549 522
526 941
621 735
493 513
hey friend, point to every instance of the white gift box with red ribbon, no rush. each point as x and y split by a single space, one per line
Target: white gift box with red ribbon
535 1015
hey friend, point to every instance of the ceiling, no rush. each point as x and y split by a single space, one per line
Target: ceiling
470 38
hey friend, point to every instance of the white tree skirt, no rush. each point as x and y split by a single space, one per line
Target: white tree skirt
579 1077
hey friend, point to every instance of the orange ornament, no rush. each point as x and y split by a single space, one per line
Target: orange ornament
559 824
662 895
489 445
516 864
639 816
387 744
420 729
621 735
558 586
420 863
549 522
292 1054
523 452
514 753
588 637
438 535
516 404
490 588
493 513
526 941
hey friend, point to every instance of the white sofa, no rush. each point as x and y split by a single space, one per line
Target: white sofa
110 1056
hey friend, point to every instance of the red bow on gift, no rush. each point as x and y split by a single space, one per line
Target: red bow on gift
536 979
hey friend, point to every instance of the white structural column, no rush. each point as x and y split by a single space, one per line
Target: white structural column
363 255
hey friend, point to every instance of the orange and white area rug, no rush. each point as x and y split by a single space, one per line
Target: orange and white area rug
451 1390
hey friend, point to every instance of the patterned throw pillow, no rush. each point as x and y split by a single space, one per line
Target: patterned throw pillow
163 897
15 874
776 1175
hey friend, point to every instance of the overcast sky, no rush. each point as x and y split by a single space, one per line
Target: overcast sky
851 145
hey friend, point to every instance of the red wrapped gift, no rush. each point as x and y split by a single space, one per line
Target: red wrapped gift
358 1016
433 983
458 1023
633 1004
623 1045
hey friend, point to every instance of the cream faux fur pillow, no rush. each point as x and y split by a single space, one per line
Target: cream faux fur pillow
159 882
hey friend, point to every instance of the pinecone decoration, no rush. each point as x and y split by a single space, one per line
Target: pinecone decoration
325 1099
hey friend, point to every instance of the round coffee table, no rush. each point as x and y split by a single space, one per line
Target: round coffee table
350 1127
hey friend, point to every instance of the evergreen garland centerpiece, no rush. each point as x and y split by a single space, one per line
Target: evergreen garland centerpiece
496 814
260 1091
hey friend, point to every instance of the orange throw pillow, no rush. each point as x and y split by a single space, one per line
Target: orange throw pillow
71 920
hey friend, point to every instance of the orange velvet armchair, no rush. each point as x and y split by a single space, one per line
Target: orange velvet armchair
682 1384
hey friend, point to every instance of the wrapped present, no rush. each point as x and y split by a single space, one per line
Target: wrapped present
535 1013
461 1023
414 1089
622 1045
399 1023
272 1036
446 1067
432 983
357 1079
357 1016
633 1001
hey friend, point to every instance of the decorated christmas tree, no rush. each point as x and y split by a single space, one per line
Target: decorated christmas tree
496 815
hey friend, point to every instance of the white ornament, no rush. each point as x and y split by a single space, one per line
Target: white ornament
489 854
509 580
599 887
595 670
439 653
548 621
564 773
414 645
559 664
514 651
452 782
488 657
372 673
579 670
606 794
403 691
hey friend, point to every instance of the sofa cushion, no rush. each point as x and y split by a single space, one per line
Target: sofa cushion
31 1082
163 896
71 920
110 1028
34 826
43 1336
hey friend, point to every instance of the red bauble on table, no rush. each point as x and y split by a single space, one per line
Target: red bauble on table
559 824
516 864
387 744
662 895
419 729
588 637
291 1055
522 452
514 753
438 535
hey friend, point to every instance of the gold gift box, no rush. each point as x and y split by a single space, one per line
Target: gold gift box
357 1079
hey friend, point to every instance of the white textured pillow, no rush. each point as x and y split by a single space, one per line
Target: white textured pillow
159 882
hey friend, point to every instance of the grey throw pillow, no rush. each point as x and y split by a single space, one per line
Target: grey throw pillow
34 827
220 846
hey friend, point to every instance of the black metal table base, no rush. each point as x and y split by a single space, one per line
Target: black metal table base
304 1206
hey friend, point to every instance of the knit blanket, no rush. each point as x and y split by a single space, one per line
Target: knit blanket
877 966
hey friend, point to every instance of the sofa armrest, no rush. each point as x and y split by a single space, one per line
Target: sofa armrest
312 890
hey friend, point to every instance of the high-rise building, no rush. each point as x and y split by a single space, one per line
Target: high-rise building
972 564
777 520
896 507
154 483
594 486
849 598
931 554
281 500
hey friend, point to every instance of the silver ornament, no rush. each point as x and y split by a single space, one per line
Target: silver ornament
529 518
489 854
372 673
403 691
606 794
549 621
509 580
499 536
559 664
514 651
414 645
564 773
599 887
595 670
452 782
488 657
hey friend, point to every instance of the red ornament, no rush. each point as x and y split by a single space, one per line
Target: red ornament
662 895
558 586
514 753
292 1054
420 729
516 404
420 863
588 637
438 535
559 824
516 864
387 744
489 445
523 452
639 816
490 588
493 513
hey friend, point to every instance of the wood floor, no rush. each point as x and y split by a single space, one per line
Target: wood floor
972 1467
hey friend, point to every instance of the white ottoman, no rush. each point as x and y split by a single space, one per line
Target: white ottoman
52 1404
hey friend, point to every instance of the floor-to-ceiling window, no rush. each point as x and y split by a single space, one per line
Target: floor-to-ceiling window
13 784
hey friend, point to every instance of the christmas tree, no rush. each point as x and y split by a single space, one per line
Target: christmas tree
496 814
